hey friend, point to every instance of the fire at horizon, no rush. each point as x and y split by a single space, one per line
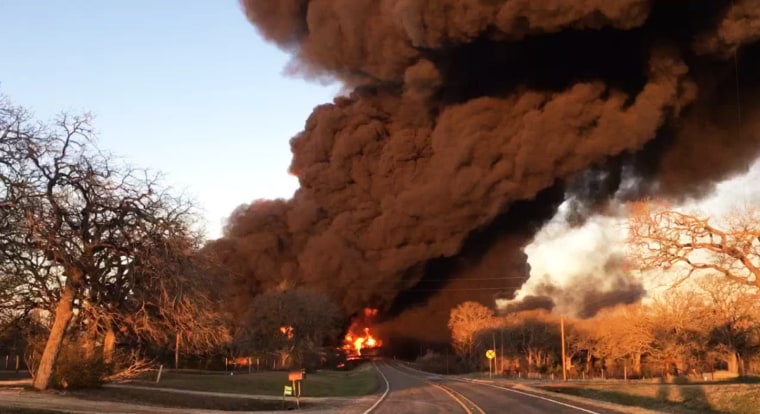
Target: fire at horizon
359 335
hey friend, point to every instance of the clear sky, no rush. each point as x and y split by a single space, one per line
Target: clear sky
186 87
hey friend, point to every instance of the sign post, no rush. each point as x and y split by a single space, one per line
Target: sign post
295 378
287 391
490 354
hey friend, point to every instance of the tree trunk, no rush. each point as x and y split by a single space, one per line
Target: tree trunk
637 364
733 363
109 344
89 345
63 313
91 336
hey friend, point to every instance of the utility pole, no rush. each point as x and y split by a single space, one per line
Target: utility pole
501 337
493 338
564 359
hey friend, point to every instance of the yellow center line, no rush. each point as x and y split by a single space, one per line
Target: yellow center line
456 396
462 397
453 397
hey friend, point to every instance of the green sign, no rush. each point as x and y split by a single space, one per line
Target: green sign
288 390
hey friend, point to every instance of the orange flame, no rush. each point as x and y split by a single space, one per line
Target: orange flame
359 336
287 331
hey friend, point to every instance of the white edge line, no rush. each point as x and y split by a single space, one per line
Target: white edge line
382 397
538 396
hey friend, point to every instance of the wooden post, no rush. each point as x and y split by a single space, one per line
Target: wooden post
158 377
176 351
564 358
249 365
6 361
17 362
298 404
447 360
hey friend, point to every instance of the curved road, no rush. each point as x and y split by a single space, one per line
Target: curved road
413 391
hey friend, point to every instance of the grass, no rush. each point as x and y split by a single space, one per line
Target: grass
362 380
172 400
13 410
681 399
13 375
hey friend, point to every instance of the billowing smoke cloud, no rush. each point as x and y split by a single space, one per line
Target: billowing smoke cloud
577 258
466 121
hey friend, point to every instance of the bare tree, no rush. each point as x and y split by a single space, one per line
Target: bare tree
537 336
582 342
734 330
664 238
623 334
466 321
679 327
84 235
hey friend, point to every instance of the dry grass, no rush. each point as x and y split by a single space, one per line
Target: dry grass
672 398
360 381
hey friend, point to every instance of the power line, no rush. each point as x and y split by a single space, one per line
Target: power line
434 290
467 279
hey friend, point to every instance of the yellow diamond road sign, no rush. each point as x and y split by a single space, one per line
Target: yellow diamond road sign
490 354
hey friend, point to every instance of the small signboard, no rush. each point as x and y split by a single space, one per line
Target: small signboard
295 375
490 354
288 390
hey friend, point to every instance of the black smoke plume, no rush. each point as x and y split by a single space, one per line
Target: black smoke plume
462 110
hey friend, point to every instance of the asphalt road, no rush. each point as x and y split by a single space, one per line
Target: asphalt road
415 392
411 392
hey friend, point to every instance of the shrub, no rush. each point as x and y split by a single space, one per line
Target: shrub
75 369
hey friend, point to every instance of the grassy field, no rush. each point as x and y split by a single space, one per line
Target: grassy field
362 380
10 410
172 400
680 399
13 375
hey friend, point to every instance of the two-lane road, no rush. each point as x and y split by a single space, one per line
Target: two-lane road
416 392
411 392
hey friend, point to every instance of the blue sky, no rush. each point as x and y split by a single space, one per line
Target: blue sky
186 87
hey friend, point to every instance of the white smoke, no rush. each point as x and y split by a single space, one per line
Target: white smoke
572 258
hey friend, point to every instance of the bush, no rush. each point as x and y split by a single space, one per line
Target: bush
74 369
